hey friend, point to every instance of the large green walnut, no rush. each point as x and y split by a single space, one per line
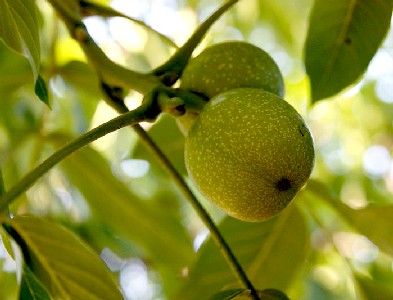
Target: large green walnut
230 65
249 152
226 66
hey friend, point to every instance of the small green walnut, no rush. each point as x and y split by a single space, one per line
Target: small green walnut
230 65
226 66
249 152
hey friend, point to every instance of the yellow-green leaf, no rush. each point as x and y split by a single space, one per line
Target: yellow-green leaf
372 289
227 294
373 221
263 249
164 240
2 190
31 288
67 267
19 29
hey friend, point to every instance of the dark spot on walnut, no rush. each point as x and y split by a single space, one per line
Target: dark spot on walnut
348 41
284 184
302 129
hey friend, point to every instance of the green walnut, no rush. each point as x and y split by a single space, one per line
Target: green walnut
226 66
230 65
249 152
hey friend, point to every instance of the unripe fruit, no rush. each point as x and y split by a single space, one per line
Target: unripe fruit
230 65
249 152
226 66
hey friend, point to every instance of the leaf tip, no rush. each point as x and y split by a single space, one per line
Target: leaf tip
41 90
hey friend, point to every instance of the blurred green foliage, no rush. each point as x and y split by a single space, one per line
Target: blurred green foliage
334 242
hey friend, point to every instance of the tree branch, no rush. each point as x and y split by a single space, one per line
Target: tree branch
111 73
142 113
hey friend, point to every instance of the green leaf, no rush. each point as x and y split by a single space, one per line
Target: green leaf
14 72
373 221
2 189
81 87
167 135
227 295
41 90
343 36
61 261
271 252
19 30
370 290
164 240
31 287
70 7
11 280
273 294
268 294
80 75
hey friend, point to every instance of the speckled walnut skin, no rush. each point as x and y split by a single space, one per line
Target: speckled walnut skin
249 152
228 65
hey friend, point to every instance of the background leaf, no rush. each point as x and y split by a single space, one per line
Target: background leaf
19 30
165 243
268 294
381 231
380 216
343 37
41 90
167 135
261 248
10 282
67 267
162 237
227 295
370 289
31 288
79 74
14 72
